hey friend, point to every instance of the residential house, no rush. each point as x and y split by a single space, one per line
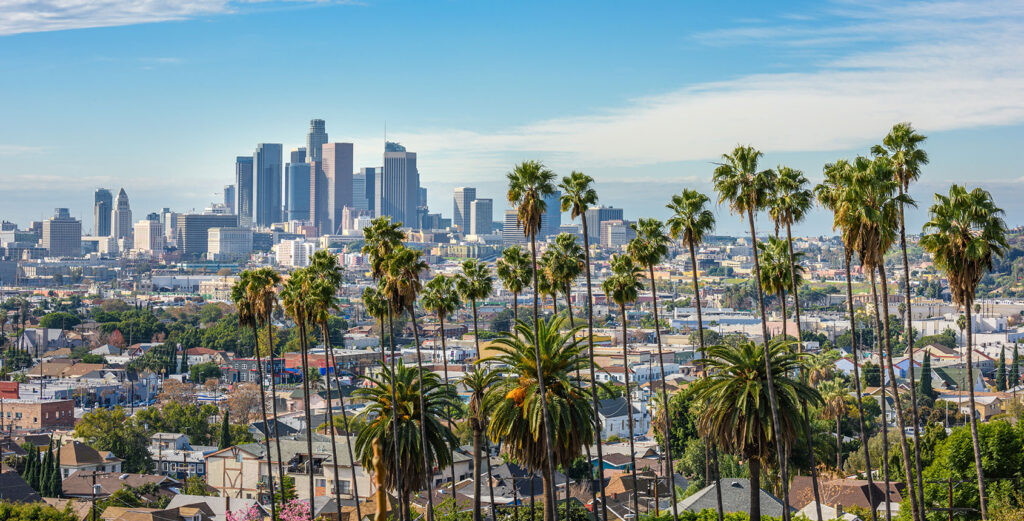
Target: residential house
614 415
80 484
219 506
187 513
14 489
735 498
838 493
76 456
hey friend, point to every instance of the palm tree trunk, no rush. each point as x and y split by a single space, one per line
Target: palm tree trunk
700 336
428 469
772 401
477 448
907 461
447 408
593 378
404 513
839 448
782 301
549 492
909 331
590 464
803 372
515 309
330 417
344 419
860 399
304 354
664 399
974 419
629 413
881 381
273 402
490 480
755 490
266 433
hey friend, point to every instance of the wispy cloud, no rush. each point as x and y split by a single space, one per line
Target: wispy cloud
11 150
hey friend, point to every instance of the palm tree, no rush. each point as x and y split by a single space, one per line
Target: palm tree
377 307
517 399
873 205
777 275
515 272
442 299
578 195
478 381
297 306
385 415
563 263
650 247
528 184
623 288
402 285
964 234
831 193
834 395
262 287
903 147
240 294
692 221
738 181
736 389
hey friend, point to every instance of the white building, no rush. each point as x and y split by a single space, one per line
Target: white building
294 253
228 244
615 234
614 417
149 237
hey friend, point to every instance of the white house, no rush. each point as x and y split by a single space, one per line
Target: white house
614 417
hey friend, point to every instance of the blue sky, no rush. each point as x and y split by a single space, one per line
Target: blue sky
160 96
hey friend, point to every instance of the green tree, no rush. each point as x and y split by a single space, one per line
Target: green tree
113 430
206 370
681 421
225 432
296 304
39 511
479 381
927 390
1014 374
59 320
515 272
441 298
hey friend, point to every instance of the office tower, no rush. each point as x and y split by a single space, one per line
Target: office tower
511 233
62 234
243 190
363 187
318 198
481 215
464 196
396 190
337 167
316 139
298 192
149 237
296 156
193 231
551 219
170 221
121 221
102 206
616 233
595 216
229 197
266 163
294 253
422 199
228 244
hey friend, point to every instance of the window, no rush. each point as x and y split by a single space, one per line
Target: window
321 482
238 457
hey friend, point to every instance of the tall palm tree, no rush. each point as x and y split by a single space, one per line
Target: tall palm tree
578 195
565 266
478 381
529 183
747 189
964 234
384 415
376 305
297 306
831 194
903 147
777 275
517 399
874 204
736 388
402 285
515 272
623 288
247 318
834 395
650 247
263 284
442 299
692 221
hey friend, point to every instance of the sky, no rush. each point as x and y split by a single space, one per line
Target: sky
159 96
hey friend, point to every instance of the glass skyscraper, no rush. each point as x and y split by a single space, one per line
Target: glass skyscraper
298 191
243 190
101 210
396 190
267 171
316 139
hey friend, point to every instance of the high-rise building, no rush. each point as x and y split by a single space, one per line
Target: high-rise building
229 197
481 216
616 233
318 214
294 253
267 171
244 190
297 155
62 234
170 221
337 166
551 219
228 244
149 237
464 196
396 190
298 192
121 220
193 231
597 215
316 138
511 232
102 207
362 188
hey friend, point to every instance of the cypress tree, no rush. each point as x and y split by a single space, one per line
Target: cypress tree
1014 369
225 433
1001 371
925 383
45 470
56 478
184 362
33 474
29 465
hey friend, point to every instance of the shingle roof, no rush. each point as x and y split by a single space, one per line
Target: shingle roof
735 498
15 489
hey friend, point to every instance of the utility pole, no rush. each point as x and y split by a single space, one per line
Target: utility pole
95 488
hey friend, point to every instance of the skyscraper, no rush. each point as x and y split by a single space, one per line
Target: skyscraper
298 191
102 206
297 155
551 219
362 188
229 197
243 190
396 190
121 221
62 234
597 215
316 138
511 232
318 198
149 237
193 231
481 216
337 167
267 170
464 196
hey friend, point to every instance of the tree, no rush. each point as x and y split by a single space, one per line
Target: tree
529 183
515 272
1001 370
834 395
479 381
441 298
926 388
965 233
199 373
39 511
777 275
517 399
59 320
113 430
225 432
1014 375
296 304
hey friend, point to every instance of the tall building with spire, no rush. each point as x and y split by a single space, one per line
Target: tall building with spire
316 139
121 219
102 206
397 189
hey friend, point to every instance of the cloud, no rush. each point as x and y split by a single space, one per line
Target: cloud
941 65
11 150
